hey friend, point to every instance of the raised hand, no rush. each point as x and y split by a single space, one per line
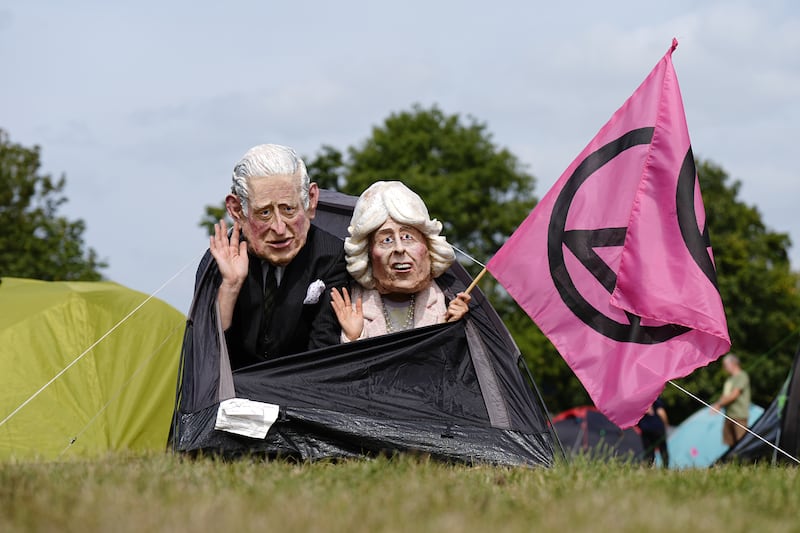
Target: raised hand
233 264
351 319
458 307
230 255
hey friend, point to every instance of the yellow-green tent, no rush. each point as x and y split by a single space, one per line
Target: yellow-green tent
118 396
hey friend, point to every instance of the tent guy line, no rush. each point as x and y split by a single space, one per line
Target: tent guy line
465 254
95 343
119 391
756 435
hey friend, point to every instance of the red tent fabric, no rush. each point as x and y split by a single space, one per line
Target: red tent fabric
586 431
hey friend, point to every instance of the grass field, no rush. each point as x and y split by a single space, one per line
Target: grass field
167 493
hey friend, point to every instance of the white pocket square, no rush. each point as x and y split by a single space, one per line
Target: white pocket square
314 291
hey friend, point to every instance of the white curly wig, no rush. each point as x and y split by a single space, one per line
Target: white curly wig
381 201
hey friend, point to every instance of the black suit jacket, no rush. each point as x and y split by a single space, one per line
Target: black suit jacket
294 327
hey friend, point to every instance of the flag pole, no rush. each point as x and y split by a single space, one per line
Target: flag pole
476 281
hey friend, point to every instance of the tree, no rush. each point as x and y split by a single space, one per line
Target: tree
327 169
212 215
35 241
760 292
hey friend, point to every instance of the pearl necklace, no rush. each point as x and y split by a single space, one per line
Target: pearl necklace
409 316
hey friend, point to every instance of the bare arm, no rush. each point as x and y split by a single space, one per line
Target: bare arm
662 414
233 264
727 399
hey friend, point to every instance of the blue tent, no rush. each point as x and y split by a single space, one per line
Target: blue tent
698 441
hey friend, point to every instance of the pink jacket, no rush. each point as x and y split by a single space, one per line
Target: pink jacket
429 309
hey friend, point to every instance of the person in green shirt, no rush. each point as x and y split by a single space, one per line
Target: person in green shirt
735 400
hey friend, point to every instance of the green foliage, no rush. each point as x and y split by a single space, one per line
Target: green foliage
327 169
213 214
35 241
170 493
760 292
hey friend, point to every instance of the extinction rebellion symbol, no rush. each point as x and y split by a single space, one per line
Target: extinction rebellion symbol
585 243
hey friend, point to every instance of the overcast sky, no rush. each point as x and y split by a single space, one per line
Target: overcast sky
146 106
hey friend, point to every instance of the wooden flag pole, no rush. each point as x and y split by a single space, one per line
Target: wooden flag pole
476 280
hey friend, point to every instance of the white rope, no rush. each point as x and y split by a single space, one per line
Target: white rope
117 393
465 254
756 435
98 341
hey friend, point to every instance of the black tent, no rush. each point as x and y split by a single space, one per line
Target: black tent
455 391
778 424
585 431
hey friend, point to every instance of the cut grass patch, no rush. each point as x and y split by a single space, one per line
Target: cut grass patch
169 493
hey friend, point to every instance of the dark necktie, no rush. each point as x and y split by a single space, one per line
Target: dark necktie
270 289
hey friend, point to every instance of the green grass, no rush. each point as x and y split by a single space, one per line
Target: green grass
167 493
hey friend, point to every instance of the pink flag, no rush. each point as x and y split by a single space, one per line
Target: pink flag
614 264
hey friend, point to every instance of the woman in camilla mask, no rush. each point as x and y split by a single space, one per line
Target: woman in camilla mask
394 252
